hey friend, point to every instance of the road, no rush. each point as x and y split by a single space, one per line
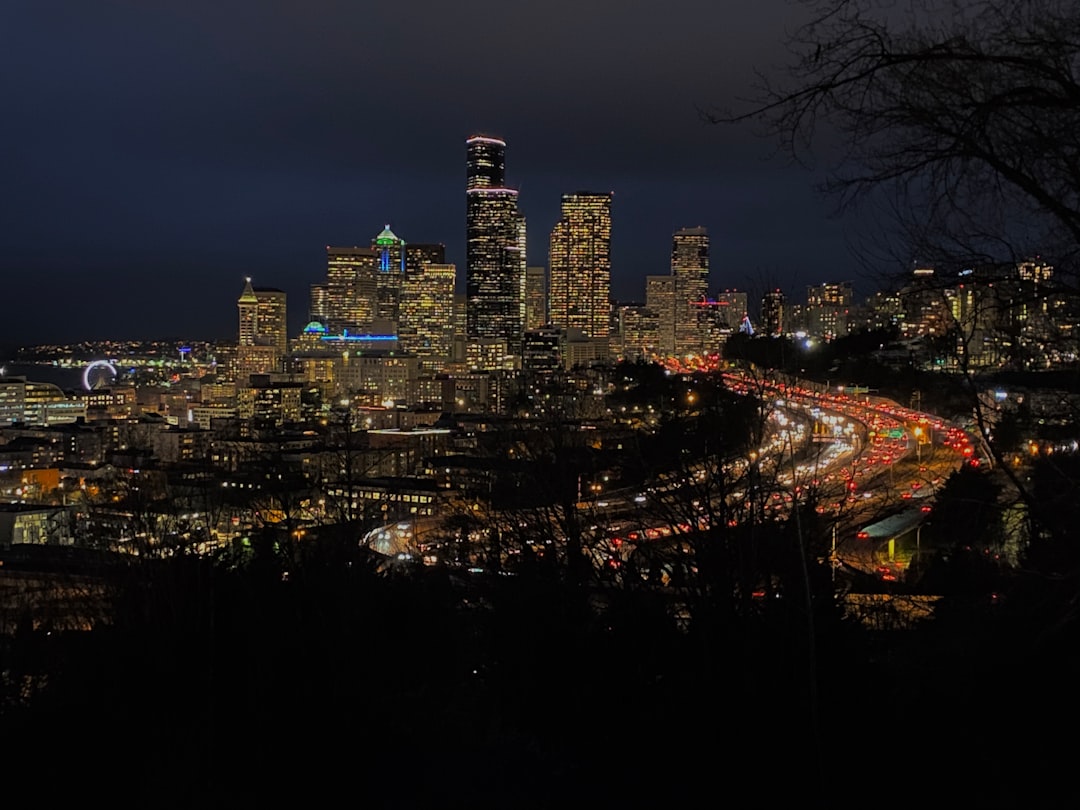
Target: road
858 459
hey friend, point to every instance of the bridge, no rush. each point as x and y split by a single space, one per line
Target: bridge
894 541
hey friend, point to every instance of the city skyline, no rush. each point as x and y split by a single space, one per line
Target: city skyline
166 156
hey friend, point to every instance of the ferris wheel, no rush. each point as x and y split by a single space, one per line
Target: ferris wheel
98 374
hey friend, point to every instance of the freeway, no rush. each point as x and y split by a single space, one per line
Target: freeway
903 457
862 460
858 460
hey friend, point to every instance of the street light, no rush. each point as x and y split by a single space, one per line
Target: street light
918 431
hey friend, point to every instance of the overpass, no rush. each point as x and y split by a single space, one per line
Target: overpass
894 541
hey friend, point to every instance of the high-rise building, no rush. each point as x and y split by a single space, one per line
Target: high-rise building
390 262
579 289
827 309
318 307
263 329
636 331
363 287
535 297
495 257
351 290
772 313
660 298
730 308
486 162
427 315
690 268
719 317
417 255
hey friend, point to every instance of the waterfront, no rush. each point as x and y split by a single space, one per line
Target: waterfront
68 378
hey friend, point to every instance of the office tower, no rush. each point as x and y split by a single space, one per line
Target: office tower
363 287
494 248
417 255
535 297
486 162
318 307
772 313
427 315
690 269
390 262
827 309
637 331
729 309
580 260
351 289
263 329
660 298
541 351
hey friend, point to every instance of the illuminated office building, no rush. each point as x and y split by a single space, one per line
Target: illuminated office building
637 331
535 297
772 313
495 258
263 330
427 315
660 299
364 285
390 273
318 307
828 309
579 289
351 291
690 269
37 403
417 255
729 308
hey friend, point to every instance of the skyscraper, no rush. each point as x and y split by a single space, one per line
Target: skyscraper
828 307
263 329
427 315
364 285
350 288
580 280
535 297
772 313
660 299
494 248
390 258
690 268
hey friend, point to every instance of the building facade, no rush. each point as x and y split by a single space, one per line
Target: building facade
263 330
660 299
828 307
536 294
579 295
426 327
772 313
495 260
690 270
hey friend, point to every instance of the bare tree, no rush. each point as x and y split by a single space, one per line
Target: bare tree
960 121
965 114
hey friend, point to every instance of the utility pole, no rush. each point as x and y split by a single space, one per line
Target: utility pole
833 561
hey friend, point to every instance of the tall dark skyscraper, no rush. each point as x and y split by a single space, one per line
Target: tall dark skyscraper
772 313
495 261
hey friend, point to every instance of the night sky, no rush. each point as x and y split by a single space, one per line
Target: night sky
155 153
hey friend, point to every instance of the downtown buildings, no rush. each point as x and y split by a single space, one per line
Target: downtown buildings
397 301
